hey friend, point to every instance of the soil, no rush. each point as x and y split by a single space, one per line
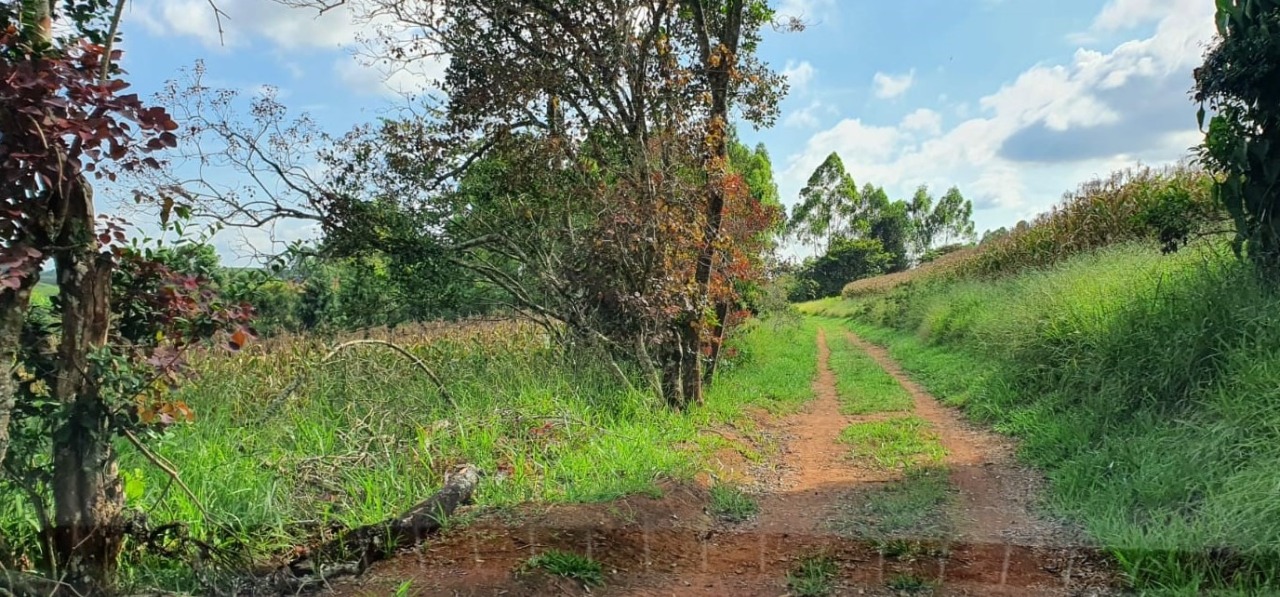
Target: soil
670 545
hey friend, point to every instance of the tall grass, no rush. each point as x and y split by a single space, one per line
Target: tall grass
1168 205
367 435
1147 386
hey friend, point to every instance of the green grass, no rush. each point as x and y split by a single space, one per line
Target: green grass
910 584
863 386
771 365
731 504
567 565
814 576
1146 386
900 514
367 436
894 443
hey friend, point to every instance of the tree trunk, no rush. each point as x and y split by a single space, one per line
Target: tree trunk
672 375
717 340
720 58
88 496
13 312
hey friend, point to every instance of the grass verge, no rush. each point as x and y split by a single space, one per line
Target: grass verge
366 436
894 443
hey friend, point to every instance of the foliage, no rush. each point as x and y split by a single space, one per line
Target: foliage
847 260
1240 83
1169 206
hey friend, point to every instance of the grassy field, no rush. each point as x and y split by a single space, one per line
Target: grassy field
367 435
1146 386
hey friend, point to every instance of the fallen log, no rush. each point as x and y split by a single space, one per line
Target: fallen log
354 550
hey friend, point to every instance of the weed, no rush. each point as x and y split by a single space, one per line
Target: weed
899 442
731 504
909 584
814 576
567 565
901 514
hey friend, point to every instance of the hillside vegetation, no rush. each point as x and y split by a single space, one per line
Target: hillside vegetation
1147 385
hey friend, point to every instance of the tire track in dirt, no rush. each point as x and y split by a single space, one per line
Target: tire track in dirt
998 496
817 470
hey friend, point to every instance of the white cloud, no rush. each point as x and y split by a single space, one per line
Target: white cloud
799 74
890 86
288 30
1017 149
243 20
1125 14
810 116
924 121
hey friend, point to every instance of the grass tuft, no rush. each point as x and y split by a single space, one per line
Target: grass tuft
898 516
814 576
729 503
567 565
894 443
909 584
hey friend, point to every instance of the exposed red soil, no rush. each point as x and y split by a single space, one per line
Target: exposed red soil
671 546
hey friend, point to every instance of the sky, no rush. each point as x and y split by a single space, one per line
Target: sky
1013 101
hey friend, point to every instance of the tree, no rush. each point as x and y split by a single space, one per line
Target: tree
829 205
653 81
847 261
66 121
949 219
924 222
1240 83
953 218
892 228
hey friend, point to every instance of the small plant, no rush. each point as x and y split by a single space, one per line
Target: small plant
403 589
729 503
814 577
910 584
567 565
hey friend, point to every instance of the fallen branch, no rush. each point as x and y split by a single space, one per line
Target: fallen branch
168 468
21 584
354 550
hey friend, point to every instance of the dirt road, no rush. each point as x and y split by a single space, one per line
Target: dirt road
994 542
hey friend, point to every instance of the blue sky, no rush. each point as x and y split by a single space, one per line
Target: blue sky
1014 101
